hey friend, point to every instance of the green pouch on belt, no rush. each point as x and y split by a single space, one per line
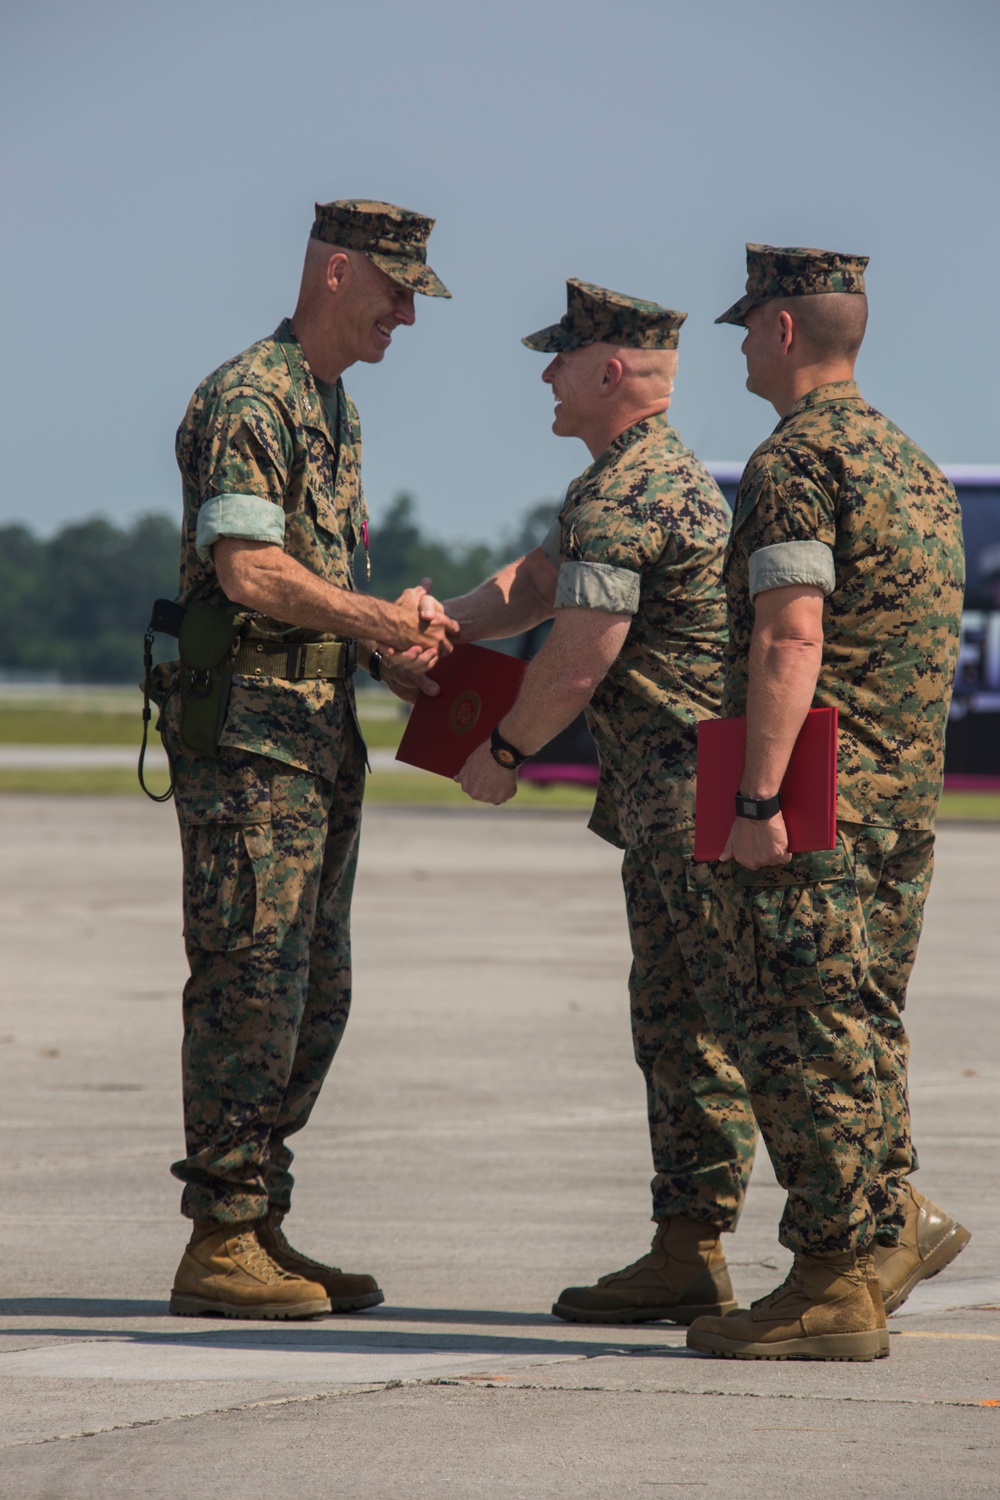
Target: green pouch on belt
209 639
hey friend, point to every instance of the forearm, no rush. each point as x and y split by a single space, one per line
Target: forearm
515 599
782 683
562 678
547 704
264 578
581 647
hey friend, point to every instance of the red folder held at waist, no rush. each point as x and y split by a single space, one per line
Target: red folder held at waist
477 688
808 791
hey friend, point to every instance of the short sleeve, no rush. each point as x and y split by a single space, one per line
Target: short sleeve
245 517
604 548
245 449
785 563
792 502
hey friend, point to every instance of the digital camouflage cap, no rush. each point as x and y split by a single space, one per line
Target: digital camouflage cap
791 271
596 316
394 239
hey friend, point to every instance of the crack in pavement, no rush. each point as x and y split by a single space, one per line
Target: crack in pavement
482 1382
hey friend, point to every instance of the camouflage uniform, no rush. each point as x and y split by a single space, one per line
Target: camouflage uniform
819 952
269 829
641 532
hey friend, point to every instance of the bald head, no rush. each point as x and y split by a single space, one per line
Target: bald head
831 324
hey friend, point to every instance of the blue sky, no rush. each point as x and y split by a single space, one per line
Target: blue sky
160 162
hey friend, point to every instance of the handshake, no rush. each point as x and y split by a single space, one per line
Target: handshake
420 638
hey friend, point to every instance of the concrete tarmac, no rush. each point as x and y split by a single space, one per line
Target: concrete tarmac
480 1144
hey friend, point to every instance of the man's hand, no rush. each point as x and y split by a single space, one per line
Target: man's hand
484 781
408 681
428 625
756 845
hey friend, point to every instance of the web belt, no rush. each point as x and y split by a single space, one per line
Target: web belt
298 662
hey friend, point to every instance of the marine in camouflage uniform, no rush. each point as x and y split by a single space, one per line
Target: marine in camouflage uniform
642 532
640 538
819 950
282 803
269 828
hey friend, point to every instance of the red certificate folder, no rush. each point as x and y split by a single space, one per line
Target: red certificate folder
808 792
477 688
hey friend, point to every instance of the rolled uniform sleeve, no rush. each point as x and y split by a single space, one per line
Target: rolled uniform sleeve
602 554
245 478
791 528
247 517
785 563
594 585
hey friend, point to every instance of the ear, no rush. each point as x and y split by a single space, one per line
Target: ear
611 377
338 269
786 332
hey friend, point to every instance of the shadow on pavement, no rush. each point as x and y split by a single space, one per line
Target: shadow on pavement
78 1307
491 1316
317 1336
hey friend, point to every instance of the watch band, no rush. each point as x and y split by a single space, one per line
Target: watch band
758 809
504 753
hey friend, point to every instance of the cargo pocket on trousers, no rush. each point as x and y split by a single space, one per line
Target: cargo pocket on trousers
808 930
228 885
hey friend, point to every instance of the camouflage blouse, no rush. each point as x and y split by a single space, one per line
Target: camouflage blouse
261 459
835 472
642 532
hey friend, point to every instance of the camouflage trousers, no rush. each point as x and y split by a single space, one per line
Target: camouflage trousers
269 856
701 1125
818 956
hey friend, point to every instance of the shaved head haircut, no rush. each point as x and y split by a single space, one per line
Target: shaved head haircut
832 324
655 369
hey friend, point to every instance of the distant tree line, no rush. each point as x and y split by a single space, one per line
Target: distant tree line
76 606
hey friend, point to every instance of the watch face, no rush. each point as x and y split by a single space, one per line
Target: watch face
506 759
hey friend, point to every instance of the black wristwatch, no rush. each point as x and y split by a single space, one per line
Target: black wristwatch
504 753
758 809
375 665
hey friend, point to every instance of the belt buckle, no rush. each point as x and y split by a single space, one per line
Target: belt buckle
295 663
350 658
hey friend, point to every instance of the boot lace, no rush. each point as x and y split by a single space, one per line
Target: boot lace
256 1258
645 1262
778 1291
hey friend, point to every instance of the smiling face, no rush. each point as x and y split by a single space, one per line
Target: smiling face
370 307
576 376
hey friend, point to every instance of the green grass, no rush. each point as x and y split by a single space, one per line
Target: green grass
402 789
115 720
385 788
53 726
84 782
970 807
398 789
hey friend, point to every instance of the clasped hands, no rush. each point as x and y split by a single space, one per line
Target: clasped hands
429 627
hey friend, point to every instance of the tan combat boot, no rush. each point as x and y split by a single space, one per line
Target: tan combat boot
683 1277
225 1271
928 1241
347 1292
828 1307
